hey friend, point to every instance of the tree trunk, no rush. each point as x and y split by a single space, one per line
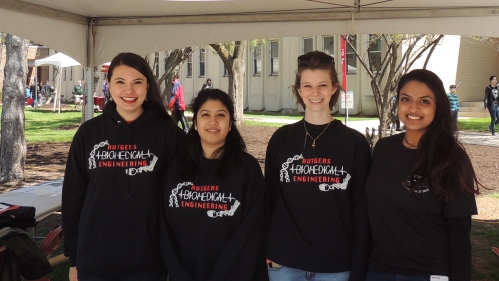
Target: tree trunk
97 72
237 89
13 142
235 65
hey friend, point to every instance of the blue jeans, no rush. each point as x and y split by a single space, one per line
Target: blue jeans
149 277
284 273
454 114
494 117
379 276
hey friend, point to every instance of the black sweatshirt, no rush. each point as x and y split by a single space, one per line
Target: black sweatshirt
319 221
110 196
212 227
416 234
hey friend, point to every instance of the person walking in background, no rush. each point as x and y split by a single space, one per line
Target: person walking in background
105 90
454 106
177 103
213 204
491 103
113 180
421 191
79 89
207 85
35 92
315 171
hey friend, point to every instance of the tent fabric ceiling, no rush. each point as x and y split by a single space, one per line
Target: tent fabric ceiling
145 26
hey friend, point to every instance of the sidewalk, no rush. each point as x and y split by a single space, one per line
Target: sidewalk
463 136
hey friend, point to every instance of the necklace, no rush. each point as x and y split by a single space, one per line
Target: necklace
410 144
307 134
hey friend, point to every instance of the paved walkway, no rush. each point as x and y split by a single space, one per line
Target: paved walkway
464 136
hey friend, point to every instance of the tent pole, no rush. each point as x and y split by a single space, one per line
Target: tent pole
58 94
89 100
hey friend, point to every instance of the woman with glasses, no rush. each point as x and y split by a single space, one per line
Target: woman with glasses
315 172
420 191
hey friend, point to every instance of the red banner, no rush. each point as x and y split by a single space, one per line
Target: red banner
343 48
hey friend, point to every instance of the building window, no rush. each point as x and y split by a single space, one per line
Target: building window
82 73
328 44
375 52
70 73
202 58
274 58
351 57
308 45
157 70
189 66
63 73
257 60
54 71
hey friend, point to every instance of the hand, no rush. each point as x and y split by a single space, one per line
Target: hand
73 274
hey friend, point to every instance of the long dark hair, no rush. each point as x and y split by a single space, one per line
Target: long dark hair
137 62
316 60
231 154
441 158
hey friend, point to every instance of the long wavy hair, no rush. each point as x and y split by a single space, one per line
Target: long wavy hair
231 154
153 96
441 158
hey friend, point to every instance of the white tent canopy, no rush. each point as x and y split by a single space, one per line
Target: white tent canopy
58 59
94 31
145 26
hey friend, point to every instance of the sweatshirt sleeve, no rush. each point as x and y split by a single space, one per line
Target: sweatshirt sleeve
360 222
73 195
271 175
458 232
485 98
241 259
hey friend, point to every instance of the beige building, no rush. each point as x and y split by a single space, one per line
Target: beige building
271 66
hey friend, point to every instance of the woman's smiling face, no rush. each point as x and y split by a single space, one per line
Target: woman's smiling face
213 125
417 106
316 89
128 87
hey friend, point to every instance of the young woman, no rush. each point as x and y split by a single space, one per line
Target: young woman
491 103
113 178
315 172
420 191
213 204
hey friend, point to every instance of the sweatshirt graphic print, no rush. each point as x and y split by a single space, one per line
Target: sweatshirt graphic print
209 197
128 156
315 170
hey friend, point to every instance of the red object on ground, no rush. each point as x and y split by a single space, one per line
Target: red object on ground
30 101
51 242
496 251
100 101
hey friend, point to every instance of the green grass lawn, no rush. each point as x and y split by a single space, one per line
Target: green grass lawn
474 124
44 125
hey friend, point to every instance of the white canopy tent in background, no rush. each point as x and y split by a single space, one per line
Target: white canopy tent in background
60 60
94 31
